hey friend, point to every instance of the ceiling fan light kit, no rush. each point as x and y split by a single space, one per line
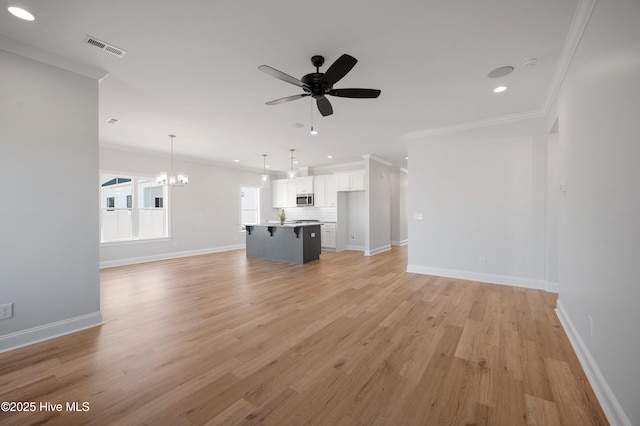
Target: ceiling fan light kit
318 85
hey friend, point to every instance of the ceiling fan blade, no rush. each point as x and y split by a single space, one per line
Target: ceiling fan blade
281 76
324 106
339 69
287 99
355 93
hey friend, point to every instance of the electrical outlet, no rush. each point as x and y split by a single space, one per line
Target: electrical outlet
6 311
481 260
590 325
352 236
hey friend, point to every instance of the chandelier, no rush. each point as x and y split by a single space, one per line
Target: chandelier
180 179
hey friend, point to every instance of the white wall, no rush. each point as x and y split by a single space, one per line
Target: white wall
599 144
49 182
378 216
356 208
553 182
481 194
398 196
204 215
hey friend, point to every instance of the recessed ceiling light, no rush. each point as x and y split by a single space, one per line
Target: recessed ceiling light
236 161
406 158
499 89
501 72
267 166
18 12
295 161
329 156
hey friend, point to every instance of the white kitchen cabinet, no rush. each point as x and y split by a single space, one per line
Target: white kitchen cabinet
304 185
325 194
281 194
328 235
350 181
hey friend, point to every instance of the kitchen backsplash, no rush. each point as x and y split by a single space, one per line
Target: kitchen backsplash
323 214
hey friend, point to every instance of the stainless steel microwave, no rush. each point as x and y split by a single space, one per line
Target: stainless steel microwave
303 200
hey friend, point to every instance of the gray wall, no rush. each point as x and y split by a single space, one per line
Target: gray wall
481 194
398 186
378 218
49 184
205 215
552 207
599 150
356 204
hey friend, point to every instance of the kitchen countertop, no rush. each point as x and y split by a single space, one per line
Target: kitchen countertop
286 224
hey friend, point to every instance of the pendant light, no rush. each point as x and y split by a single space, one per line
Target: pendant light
292 174
264 177
172 179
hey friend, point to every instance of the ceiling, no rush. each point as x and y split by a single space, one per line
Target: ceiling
191 69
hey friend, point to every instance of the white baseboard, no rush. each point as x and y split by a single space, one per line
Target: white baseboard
553 287
400 243
354 248
607 399
166 256
41 333
377 250
480 277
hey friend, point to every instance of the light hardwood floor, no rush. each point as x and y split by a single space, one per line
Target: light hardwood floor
221 339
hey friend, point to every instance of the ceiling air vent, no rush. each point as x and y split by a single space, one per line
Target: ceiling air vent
105 46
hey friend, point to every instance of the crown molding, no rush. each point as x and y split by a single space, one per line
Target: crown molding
571 42
41 55
376 159
477 124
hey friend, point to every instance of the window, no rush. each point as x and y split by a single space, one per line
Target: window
249 206
132 208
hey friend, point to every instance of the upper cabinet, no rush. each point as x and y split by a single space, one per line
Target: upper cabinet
324 187
303 185
284 191
281 196
350 181
325 194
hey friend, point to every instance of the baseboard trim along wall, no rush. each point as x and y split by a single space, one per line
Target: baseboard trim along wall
41 333
553 287
480 277
166 256
400 243
377 250
607 399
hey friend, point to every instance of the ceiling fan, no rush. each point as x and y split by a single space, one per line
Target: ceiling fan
318 85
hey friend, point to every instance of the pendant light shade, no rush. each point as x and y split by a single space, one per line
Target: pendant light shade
292 174
264 177
164 179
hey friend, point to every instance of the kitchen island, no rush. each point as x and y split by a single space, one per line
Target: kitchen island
290 242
